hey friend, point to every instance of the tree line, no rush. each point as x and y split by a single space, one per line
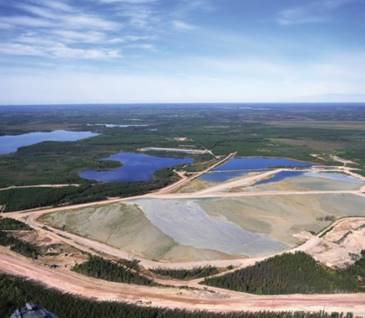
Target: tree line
293 273
15 292
101 268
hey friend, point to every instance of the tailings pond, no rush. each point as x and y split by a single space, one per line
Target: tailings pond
240 166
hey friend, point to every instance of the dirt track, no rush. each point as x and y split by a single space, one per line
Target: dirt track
212 299
41 186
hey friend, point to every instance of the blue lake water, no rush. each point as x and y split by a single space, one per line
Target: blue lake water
136 167
240 166
11 143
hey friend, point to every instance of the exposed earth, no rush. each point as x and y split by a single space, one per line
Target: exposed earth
233 223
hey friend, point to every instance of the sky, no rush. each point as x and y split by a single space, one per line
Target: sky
133 51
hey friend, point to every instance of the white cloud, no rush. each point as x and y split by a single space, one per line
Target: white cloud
246 80
128 1
183 26
20 49
80 21
25 21
62 51
71 36
319 11
46 48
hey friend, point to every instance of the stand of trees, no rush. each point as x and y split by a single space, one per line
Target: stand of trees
187 274
17 245
15 292
293 273
30 198
7 224
104 269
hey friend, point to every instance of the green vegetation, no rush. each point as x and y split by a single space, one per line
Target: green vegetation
15 292
293 273
17 245
268 130
8 239
108 270
29 198
7 224
187 274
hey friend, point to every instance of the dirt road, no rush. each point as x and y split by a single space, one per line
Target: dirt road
179 184
197 298
41 186
202 195
212 299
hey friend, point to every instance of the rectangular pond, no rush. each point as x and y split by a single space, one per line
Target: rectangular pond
135 167
11 143
243 165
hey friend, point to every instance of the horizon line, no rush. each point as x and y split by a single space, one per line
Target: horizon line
182 103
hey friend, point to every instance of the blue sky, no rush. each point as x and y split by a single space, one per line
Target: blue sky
115 51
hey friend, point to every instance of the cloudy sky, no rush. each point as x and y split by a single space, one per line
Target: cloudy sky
115 51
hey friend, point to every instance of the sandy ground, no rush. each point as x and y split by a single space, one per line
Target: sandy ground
277 214
186 180
212 299
186 230
195 185
336 246
188 223
281 216
124 226
341 246
183 150
309 182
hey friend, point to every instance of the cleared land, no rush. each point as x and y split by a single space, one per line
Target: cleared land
186 229
126 227
212 299
311 181
182 150
280 217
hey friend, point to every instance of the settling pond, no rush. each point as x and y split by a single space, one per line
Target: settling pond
243 165
135 167
11 143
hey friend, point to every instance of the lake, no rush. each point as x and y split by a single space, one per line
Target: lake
11 143
237 167
135 167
